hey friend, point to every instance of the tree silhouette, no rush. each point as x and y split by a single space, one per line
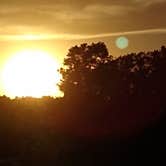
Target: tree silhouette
81 64
112 94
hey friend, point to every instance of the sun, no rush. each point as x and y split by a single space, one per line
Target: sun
31 73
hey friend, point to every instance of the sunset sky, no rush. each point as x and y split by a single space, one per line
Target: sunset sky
63 20
56 25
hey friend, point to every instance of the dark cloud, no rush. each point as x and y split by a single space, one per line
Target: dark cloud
81 17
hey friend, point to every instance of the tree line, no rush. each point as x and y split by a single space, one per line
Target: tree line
103 94
105 98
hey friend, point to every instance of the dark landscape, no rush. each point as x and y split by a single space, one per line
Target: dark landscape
82 83
113 113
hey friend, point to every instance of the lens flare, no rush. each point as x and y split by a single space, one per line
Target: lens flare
122 42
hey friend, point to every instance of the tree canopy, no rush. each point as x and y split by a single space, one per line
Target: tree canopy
82 71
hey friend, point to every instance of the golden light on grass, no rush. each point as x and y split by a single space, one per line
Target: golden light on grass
31 73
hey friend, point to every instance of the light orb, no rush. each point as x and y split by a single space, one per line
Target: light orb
122 42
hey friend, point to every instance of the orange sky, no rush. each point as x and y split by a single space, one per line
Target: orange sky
68 22
58 25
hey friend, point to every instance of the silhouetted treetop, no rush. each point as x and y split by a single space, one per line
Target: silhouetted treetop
80 62
90 71
86 56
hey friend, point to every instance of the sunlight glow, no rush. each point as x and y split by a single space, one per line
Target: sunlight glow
30 37
31 73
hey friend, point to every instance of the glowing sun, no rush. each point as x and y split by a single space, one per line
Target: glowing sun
31 73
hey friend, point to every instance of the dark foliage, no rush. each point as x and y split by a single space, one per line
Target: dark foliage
113 112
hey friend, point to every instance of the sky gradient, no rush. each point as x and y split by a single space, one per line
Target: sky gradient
56 25
84 20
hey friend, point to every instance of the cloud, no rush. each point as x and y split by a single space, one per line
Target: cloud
62 17
79 37
80 17
113 10
147 3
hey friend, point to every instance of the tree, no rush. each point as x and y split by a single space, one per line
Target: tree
81 64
